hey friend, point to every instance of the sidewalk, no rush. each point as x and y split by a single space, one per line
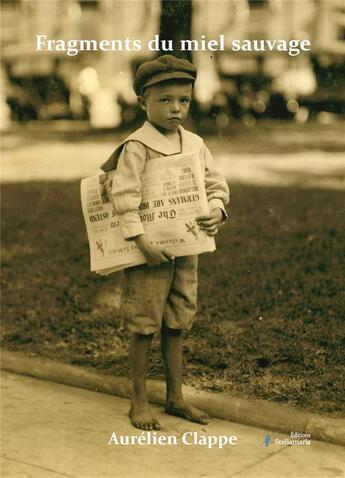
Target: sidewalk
57 430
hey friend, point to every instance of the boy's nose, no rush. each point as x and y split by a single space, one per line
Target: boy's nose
175 106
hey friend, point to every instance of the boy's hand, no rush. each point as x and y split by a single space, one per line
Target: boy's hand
153 255
211 222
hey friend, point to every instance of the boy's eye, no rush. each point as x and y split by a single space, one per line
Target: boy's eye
185 100
164 100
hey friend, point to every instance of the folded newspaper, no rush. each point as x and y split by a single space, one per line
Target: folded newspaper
173 196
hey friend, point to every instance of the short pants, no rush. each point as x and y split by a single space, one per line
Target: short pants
163 294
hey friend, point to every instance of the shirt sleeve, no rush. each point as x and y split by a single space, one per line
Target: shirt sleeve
127 188
217 189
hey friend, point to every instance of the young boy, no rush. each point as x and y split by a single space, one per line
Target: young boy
161 296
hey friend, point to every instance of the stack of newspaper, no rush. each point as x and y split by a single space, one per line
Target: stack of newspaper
173 195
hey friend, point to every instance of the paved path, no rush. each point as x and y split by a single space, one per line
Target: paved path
51 430
64 161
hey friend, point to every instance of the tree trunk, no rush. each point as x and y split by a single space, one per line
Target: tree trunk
176 25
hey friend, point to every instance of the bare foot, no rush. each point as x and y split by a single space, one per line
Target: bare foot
141 417
187 411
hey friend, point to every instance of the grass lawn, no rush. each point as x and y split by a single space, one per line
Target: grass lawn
271 299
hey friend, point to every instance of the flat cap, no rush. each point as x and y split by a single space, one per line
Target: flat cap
163 68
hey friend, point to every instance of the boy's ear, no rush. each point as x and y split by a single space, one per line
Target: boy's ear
142 103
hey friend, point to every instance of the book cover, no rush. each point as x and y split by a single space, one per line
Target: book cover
264 358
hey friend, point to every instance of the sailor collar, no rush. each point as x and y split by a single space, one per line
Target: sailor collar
150 137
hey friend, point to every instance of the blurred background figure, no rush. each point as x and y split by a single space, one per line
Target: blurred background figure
253 85
96 86
88 86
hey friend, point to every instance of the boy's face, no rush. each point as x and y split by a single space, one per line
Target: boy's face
166 104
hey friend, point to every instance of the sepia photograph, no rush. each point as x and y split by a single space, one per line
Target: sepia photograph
173 238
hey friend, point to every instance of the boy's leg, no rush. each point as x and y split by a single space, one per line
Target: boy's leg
140 412
172 357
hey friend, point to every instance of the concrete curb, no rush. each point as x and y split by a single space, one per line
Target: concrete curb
258 413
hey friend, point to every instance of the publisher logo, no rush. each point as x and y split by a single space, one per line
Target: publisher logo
295 438
267 441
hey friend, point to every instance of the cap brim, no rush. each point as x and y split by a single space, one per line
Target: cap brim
168 75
